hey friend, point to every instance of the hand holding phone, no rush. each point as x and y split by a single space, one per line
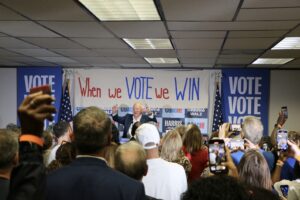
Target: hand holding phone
236 144
282 139
217 156
46 89
284 111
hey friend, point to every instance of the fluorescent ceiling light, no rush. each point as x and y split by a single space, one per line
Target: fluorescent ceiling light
149 43
122 10
162 60
271 61
288 43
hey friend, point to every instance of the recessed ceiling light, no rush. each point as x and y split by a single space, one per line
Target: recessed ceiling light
122 10
288 43
271 61
162 60
149 43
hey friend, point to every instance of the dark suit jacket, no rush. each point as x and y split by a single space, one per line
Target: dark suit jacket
127 121
92 179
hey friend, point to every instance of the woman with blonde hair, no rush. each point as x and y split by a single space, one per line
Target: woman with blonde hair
253 170
195 150
171 150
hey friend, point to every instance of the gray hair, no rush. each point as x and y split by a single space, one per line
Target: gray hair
9 147
252 129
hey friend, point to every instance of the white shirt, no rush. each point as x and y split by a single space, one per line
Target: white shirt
52 155
164 180
294 188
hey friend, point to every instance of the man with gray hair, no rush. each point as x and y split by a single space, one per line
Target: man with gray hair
164 180
252 129
9 147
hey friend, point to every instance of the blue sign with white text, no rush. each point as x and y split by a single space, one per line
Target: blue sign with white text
33 77
245 92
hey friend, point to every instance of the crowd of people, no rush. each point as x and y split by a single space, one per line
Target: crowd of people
85 160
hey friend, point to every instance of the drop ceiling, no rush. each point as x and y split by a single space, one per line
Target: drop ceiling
205 34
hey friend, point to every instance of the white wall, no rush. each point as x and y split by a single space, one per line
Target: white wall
8 96
285 91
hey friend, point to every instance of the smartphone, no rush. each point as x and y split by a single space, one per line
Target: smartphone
217 156
284 110
282 138
46 89
236 144
284 190
235 127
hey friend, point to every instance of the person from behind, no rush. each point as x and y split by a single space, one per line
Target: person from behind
219 187
253 170
131 159
129 119
164 180
62 133
8 159
171 150
195 150
134 127
89 176
252 129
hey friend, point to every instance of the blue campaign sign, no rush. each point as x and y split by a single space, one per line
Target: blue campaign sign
33 77
245 92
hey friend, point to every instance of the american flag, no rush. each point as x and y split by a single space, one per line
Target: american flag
218 115
65 110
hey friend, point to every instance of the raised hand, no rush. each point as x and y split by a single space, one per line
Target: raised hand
32 112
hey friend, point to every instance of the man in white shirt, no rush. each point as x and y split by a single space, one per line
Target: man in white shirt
129 119
62 132
164 180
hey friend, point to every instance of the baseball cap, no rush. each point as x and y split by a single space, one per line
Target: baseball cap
147 135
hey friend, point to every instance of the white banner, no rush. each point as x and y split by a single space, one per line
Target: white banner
157 88
172 95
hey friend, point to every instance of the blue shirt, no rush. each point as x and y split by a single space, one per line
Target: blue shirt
237 156
287 171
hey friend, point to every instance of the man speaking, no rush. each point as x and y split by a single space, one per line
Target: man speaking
129 119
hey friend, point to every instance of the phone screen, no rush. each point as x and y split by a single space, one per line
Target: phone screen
284 190
236 144
284 110
282 137
235 127
217 156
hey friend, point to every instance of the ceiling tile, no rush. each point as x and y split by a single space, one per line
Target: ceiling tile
249 43
35 52
115 52
93 60
199 10
270 3
6 53
197 60
241 51
40 64
101 43
58 59
293 64
255 34
76 52
198 34
136 65
6 14
125 60
204 44
197 65
25 29
53 43
282 54
66 10
79 29
133 30
23 59
164 53
294 33
221 26
13 43
198 53
235 61
269 14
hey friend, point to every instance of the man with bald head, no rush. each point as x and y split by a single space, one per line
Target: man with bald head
129 119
